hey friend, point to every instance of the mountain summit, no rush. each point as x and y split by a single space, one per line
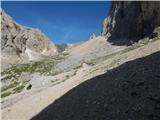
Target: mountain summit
23 44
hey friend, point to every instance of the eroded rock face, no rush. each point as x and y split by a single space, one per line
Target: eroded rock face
131 20
21 44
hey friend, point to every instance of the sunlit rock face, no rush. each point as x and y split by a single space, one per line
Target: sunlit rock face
131 20
21 44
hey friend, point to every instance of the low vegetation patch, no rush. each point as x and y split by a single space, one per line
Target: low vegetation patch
12 89
43 67
77 67
65 54
91 62
67 76
18 89
5 94
54 80
10 86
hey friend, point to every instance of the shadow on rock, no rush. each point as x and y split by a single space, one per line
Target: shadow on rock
128 92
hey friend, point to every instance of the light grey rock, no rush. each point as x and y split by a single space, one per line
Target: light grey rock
25 77
39 80
157 31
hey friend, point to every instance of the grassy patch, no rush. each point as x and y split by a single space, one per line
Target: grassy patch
12 89
77 67
58 82
65 54
61 56
41 67
18 89
5 94
45 67
67 76
127 49
75 72
55 80
10 86
91 62
93 70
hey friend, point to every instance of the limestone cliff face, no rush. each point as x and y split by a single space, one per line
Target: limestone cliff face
131 20
21 44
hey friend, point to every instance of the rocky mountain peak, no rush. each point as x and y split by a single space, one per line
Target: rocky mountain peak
23 44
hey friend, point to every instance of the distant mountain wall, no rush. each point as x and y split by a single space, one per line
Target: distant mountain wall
22 44
131 20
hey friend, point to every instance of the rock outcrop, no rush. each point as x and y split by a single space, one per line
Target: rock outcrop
21 44
131 20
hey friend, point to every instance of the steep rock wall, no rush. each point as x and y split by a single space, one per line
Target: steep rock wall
131 20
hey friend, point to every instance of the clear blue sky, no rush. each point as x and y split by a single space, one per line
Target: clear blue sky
61 22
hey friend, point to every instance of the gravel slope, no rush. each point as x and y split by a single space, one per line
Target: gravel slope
30 106
128 92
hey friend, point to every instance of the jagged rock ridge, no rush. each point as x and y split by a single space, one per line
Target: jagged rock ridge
22 44
131 20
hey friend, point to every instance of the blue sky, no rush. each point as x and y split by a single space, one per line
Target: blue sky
61 22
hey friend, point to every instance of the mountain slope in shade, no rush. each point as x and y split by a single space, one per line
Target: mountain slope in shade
131 20
23 44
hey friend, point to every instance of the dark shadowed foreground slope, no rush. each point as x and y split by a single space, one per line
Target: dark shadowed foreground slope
128 92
